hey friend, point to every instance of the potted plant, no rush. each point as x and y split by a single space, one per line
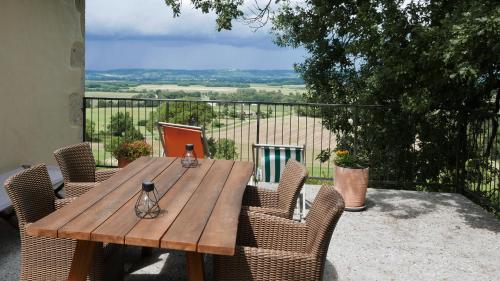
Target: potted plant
351 179
128 151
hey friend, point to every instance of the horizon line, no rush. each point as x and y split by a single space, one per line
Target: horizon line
195 69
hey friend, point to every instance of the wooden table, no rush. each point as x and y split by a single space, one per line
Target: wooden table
200 211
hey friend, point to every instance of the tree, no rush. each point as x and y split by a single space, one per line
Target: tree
90 131
226 10
122 125
193 113
428 63
222 148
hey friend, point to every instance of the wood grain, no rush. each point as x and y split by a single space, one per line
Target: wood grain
219 235
82 260
149 232
49 225
114 229
189 224
81 226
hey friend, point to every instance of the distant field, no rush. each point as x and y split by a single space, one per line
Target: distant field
284 127
126 95
286 89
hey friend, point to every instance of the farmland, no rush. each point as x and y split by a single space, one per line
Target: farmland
278 124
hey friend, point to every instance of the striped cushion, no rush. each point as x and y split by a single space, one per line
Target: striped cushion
273 161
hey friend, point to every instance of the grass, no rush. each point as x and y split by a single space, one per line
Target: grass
283 126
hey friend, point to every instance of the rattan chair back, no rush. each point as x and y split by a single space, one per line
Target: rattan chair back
322 219
31 194
292 180
76 162
43 258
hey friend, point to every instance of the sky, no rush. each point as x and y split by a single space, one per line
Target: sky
144 34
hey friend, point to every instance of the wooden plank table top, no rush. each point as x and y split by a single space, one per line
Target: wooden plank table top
200 209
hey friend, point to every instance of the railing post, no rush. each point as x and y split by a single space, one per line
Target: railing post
461 153
355 130
258 123
167 107
84 116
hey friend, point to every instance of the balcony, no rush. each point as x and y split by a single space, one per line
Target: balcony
403 234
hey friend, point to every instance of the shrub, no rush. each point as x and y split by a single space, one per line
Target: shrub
132 150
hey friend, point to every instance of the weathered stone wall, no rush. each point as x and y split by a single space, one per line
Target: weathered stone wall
41 78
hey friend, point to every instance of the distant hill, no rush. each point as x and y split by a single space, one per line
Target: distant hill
216 77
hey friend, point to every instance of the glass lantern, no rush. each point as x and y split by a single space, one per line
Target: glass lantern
189 160
147 206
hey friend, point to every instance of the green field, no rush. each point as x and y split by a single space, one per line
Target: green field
282 126
129 92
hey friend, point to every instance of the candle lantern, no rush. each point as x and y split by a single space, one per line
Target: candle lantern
147 206
189 160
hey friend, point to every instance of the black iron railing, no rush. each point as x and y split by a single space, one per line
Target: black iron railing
108 121
481 167
472 166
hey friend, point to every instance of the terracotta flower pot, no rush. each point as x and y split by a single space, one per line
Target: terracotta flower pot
352 185
122 162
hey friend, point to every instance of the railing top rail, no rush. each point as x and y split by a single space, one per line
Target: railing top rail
239 102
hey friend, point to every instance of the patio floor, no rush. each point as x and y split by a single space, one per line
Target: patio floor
403 235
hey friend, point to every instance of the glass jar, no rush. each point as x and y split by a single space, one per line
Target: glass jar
189 160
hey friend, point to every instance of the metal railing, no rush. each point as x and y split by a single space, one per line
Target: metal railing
107 121
235 126
481 167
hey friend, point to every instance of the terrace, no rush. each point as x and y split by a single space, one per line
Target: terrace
403 235
410 231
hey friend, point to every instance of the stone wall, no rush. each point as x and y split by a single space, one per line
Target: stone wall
42 62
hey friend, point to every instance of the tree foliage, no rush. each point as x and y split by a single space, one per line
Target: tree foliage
429 63
90 134
222 148
187 113
122 125
226 11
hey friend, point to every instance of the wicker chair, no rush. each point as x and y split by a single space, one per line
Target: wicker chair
281 202
273 248
45 258
79 169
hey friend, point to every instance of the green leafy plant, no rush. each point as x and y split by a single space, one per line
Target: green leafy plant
324 155
132 150
344 158
222 148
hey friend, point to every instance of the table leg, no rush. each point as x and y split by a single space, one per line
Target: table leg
82 260
195 269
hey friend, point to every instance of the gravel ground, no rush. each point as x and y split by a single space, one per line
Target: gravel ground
403 235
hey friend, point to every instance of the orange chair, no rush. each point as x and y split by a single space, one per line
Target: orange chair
174 138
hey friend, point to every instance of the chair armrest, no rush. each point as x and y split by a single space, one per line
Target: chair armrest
262 264
270 211
270 232
75 189
63 202
102 175
259 197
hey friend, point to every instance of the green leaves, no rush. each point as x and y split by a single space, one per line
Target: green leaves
226 10
428 62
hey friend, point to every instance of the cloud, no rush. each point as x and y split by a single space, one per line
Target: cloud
111 54
144 34
152 18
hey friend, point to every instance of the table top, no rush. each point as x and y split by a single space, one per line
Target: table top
200 207
55 177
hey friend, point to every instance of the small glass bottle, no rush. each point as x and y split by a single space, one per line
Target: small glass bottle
147 206
189 160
